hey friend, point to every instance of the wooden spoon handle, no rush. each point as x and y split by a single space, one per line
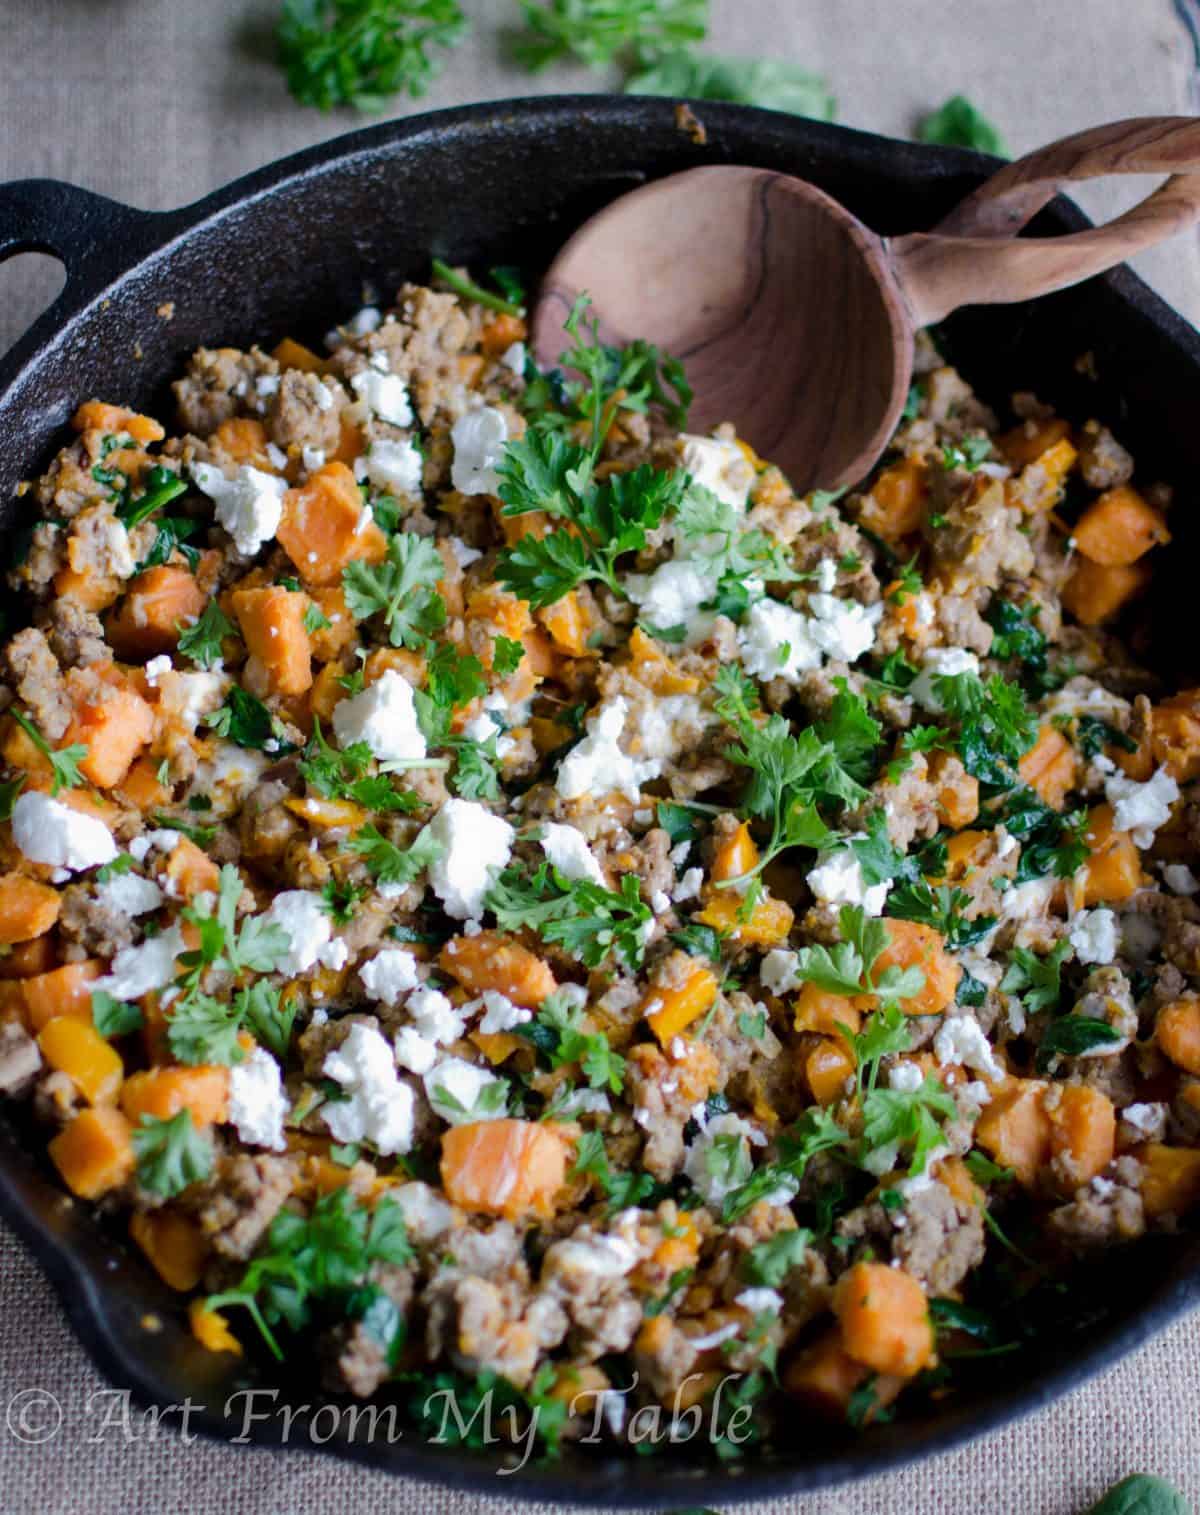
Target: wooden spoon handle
971 258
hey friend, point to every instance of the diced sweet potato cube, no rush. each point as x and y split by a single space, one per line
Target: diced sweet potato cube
825 1012
211 1329
1112 871
190 871
147 622
1119 528
491 960
505 1167
1170 1179
1177 1032
884 1317
736 855
670 1007
94 1153
329 641
1049 766
567 624
76 1048
956 790
1027 442
895 505
293 354
1083 1133
500 332
163 1092
767 925
141 789
27 959
660 674
824 1376
913 945
324 526
65 991
116 420
27 909
242 439
1015 1130
827 1067
272 622
174 1244
1095 593
114 723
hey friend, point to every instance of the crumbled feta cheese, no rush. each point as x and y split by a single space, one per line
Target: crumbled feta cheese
583 1102
972 1097
843 629
1028 900
960 1042
1093 934
714 1338
266 385
464 556
390 973
385 395
673 594
719 465
312 458
982 968
758 1300
257 1103
667 724
718 1161
47 831
479 438
940 663
129 894
567 850
499 1013
365 321
689 885
395 466
426 1214
882 1160
1180 879
474 842
514 359
187 697
249 505
380 361
323 396
596 766
1146 1120
775 642
155 669
924 610
379 1109
918 1182
1003 841
455 1089
597 1256
660 902
384 716
905 1077
302 915
777 971
143 968
827 572
1141 808
838 880
164 841
276 456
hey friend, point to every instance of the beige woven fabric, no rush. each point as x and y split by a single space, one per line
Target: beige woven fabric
157 103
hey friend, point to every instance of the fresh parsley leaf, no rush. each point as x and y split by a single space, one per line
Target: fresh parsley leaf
996 726
363 52
908 583
968 454
678 821
958 123
171 1154
1051 842
170 537
943 909
246 721
341 900
769 83
1036 980
475 774
984 1171
752 1023
699 941
202 642
1072 1036
113 1017
201 1029
852 732
202 835
1093 735
596 32
389 864
558 1032
270 1017
64 761
506 656
769 1263
582 917
849 967
161 485
315 619
402 589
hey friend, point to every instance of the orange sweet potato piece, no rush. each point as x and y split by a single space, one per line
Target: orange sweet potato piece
163 1092
1027 442
1095 593
1119 528
76 1048
913 945
1049 766
824 1376
827 1067
328 641
956 791
293 354
27 959
895 505
506 1167
1177 1032
242 439
567 624
500 332
324 528
884 1317
148 619
211 1329
174 1245
27 909
670 1007
114 723
1174 740
94 1153
272 622
660 674
140 787
1170 1179
736 855
190 871
492 960
1083 1133
1112 871
1015 1129
96 415
93 591
65 991
823 1011
768 924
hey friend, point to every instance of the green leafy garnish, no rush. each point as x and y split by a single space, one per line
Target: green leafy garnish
469 290
848 968
996 726
171 536
506 656
1051 842
161 486
1093 735
958 123
769 83
202 642
558 1031
770 1262
315 619
64 761
113 1017
389 864
171 1154
1072 1036
1142 1494
582 917
247 722
968 454
942 908
341 900
402 589
1036 980
597 31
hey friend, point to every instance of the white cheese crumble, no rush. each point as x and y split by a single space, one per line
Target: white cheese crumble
689 885
257 1103
1180 879
1093 934
567 850
426 1214
905 1077
673 594
379 1109
47 831
777 971
775 642
435 1023
1147 1120
473 842
155 669
389 974
455 1089
595 1255
385 395
141 969
479 438
838 880
843 629
943 663
1141 809
312 458
394 465
384 716
164 841
464 555
130 894
365 321
960 1043
827 572
499 1013
249 505
759 1300
718 1167
597 766
514 359
718 465
302 915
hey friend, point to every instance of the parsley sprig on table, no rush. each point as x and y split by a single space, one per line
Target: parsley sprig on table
582 917
323 1258
402 589
64 761
597 31
362 52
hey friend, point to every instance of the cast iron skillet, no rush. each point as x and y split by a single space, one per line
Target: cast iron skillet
288 250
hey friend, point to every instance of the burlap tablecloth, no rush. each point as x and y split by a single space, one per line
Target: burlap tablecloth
157 103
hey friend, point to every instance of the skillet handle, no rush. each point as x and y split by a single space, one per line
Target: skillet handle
974 258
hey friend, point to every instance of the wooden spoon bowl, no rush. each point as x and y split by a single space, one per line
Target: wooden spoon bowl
796 322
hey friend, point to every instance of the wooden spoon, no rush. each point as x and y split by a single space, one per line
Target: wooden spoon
796 322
